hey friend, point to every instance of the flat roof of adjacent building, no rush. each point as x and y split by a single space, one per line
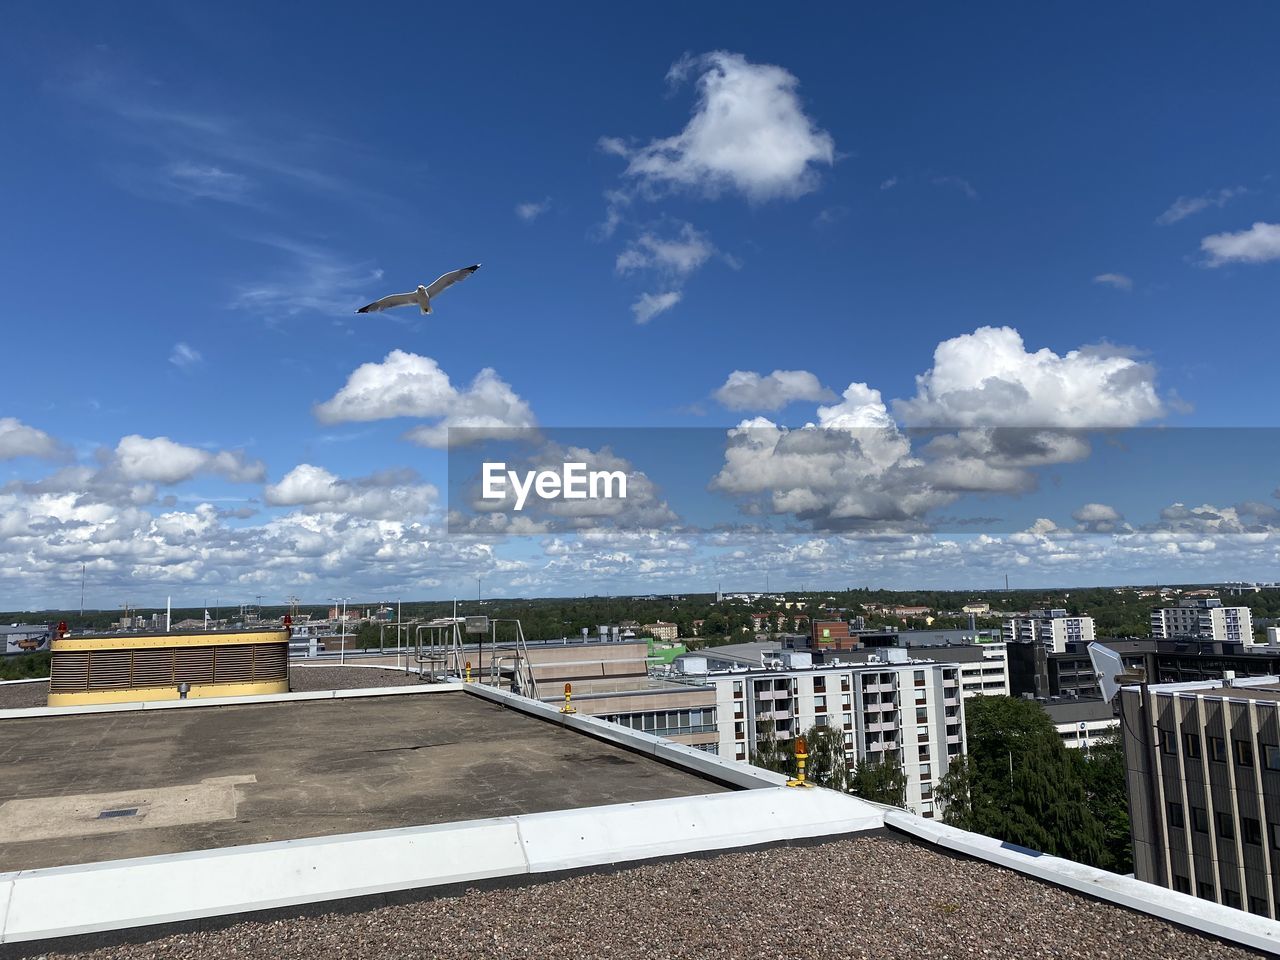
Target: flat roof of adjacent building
862 896
98 786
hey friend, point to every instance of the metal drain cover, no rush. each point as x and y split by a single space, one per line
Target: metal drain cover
125 812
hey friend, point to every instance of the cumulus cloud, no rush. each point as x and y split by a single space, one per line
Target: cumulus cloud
748 390
1184 207
988 378
386 495
651 304
138 459
1098 518
995 413
1258 244
748 132
528 212
409 385
19 440
1117 280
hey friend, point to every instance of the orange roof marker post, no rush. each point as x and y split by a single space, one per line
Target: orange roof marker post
568 694
802 754
468 671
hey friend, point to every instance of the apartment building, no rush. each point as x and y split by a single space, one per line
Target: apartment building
1203 763
1205 619
1052 628
903 712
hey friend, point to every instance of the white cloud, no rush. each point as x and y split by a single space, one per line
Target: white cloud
1117 280
987 378
1184 207
678 256
1258 244
1098 518
748 390
389 495
312 280
408 385
748 132
889 184
19 440
138 459
208 182
184 356
531 211
651 304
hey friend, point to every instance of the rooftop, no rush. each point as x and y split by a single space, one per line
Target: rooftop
220 776
866 896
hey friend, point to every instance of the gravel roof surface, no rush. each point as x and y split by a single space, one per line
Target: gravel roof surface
15 696
346 678
864 897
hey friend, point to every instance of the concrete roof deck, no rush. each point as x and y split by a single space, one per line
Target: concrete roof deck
220 776
860 897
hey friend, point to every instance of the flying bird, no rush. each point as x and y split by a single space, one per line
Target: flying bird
423 295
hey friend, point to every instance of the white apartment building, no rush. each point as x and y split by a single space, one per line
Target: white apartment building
1203 619
984 676
907 713
1054 628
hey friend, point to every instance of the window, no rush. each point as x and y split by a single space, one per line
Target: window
925 771
1200 819
922 696
1231 898
1258 905
1226 828
1217 750
924 752
1192 741
1168 742
1244 752
1205 891
919 678
820 704
1252 830
922 734
1275 835
922 714
1271 756
1175 814
1181 884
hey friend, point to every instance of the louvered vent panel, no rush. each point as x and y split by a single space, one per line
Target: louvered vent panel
233 664
109 669
153 668
69 671
270 661
193 665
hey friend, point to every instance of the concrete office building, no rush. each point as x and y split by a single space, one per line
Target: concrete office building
902 711
1052 628
1082 723
1203 767
1203 619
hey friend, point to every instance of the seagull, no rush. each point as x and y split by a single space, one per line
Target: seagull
423 295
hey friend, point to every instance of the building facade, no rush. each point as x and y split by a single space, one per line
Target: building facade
1203 769
1203 619
906 713
1052 628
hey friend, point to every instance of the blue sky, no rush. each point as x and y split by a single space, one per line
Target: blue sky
204 194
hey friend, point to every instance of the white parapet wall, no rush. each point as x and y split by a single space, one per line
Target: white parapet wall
121 894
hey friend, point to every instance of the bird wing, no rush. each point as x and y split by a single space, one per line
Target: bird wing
386 303
450 278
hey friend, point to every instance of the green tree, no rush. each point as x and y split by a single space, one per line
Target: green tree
879 781
1102 771
1020 784
826 765
770 753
